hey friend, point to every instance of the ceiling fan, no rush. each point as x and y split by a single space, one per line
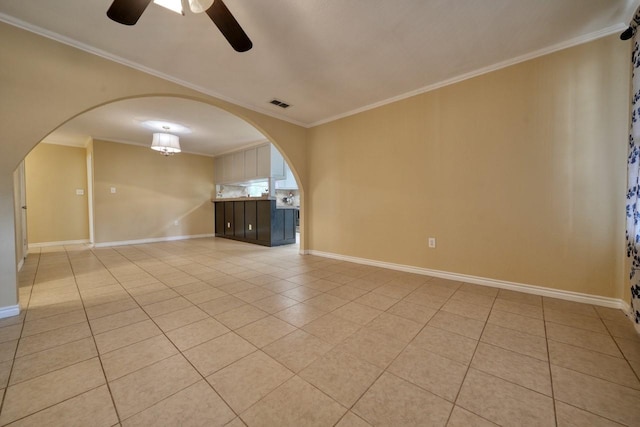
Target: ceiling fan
127 12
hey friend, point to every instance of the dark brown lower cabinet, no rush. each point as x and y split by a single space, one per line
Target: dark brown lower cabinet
219 213
250 221
238 220
229 228
255 221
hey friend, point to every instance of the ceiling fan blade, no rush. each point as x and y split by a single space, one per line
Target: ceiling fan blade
127 12
229 27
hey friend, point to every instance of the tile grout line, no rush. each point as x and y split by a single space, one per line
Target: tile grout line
104 374
193 255
603 379
69 262
581 348
637 374
464 378
202 378
312 385
546 344
15 352
579 372
384 370
55 370
191 364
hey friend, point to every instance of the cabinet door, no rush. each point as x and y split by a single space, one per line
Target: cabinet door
228 219
289 224
250 220
227 168
289 183
263 154
250 163
219 218
277 164
238 166
217 170
263 219
238 219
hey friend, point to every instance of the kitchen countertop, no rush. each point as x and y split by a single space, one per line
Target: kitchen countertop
247 199
242 199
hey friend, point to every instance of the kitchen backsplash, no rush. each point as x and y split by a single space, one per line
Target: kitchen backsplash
234 191
284 194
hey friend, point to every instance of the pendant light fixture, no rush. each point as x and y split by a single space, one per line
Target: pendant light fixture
166 143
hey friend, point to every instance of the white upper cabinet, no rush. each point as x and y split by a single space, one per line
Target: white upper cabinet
217 169
251 163
261 162
238 166
227 168
277 163
264 160
289 183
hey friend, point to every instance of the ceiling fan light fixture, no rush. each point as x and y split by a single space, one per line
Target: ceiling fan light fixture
166 144
199 6
172 5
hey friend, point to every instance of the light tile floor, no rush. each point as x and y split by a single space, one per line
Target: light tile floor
215 332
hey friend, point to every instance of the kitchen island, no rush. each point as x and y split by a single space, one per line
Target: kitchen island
255 220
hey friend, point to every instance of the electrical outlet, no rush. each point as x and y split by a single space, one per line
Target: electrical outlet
175 222
113 190
432 242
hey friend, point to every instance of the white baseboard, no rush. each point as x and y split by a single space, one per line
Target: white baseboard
9 311
20 265
483 281
150 240
62 243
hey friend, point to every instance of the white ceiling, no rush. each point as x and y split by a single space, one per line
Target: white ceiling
327 58
212 131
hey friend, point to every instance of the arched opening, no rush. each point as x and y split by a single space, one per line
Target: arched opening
203 129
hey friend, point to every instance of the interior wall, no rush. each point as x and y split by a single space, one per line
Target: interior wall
55 212
8 253
17 214
519 174
44 83
156 196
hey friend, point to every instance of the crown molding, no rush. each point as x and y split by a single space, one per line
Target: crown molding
457 79
131 64
494 67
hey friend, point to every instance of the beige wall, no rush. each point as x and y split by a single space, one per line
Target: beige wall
152 193
519 174
44 83
55 213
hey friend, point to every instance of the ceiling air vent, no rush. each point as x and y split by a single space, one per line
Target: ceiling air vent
279 103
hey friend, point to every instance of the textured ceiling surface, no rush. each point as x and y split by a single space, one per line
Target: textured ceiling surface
326 58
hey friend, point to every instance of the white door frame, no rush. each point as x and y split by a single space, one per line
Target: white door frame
23 209
90 195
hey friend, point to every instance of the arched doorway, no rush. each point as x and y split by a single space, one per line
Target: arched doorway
45 90
115 134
